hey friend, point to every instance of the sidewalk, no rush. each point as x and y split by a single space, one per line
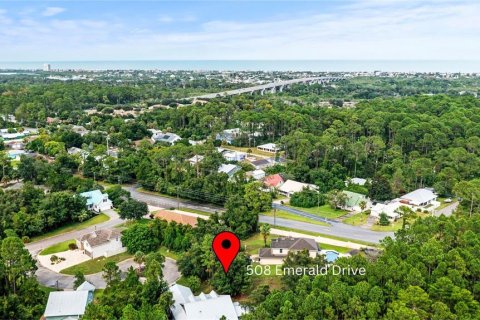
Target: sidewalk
333 242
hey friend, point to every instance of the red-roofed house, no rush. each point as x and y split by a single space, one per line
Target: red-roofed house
273 181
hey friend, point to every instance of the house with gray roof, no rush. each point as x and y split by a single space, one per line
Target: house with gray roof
209 306
420 197
101 243
229 169
280 247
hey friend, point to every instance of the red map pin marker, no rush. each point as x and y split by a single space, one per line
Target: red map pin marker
226 246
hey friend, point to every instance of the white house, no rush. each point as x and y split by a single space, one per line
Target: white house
292 186
420 197
66 305
268 147
211 306
390 209
104 242
166 137
234 155
357 181
262 163
256 174
97 201
280 247
196 159
229 169
228 135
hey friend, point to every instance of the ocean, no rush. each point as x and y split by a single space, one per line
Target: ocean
463 66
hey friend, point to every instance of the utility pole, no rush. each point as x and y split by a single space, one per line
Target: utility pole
178 200
274 216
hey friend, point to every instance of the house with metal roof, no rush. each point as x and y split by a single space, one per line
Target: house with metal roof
268 147
420 197
280 247
97 201
229 169
166 137
292 186
354 199
63 305
209 306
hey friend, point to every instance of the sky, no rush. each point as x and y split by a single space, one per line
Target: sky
236 30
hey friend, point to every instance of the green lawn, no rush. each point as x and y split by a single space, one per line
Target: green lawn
203 213
95 265
168 253
73 227
324 211
393 226
291 216
58 247
356 219
255 242
326 236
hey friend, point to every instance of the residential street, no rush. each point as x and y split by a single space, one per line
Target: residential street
336 229
447 211
37 246
49 278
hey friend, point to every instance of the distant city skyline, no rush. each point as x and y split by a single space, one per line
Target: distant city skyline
160 30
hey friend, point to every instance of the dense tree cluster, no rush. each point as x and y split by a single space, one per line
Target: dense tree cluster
430 271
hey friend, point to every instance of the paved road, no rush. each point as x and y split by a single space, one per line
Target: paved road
37 246
166 202
447 211
335 229
52 279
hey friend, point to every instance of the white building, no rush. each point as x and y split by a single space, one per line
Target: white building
268 147
357 181
229 169
47 67
390 209
211 306
66 305
196 159
280 247
101 243
97 201
292 186
420 197
234 155
256 174
166 137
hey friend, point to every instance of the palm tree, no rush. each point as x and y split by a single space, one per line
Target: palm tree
265 230
405 213
363 205
139 258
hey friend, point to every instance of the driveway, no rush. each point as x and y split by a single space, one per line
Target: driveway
447 211
52 279
72 258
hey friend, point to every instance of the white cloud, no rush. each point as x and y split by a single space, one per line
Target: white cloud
52 11
364 30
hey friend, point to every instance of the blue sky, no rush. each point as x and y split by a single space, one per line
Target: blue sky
156 30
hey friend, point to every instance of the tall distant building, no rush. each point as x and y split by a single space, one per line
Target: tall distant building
46 67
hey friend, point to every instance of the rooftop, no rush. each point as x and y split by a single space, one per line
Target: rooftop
294 243
99 237
66 303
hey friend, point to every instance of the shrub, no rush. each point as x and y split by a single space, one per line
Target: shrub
26 239
72 246
307 199
383 219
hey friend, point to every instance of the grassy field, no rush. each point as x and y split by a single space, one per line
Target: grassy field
73 227
58 247
393 226
324 211
357 219
95 265
168 253
291 216
203 213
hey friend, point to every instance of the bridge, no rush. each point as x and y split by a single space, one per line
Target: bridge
272 87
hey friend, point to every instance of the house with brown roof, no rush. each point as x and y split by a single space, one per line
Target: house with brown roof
104 242
280 247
